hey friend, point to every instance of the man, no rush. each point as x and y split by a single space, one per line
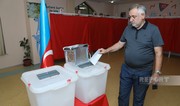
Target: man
143 49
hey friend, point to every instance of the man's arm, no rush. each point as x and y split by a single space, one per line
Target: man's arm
158 58
113 48
158 64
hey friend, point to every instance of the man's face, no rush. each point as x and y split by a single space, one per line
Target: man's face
136 19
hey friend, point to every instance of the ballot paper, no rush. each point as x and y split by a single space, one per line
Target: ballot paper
95 58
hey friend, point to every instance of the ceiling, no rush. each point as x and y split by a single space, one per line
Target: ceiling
121 1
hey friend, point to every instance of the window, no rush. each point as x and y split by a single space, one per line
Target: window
84 8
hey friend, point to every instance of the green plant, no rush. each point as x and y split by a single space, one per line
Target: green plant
27 50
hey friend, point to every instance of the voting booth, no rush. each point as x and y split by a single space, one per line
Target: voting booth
51 86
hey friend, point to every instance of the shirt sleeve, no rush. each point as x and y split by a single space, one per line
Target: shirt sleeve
157 38
123 39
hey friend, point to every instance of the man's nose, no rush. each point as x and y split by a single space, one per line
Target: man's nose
131 19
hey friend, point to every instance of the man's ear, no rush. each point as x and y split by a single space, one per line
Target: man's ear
143 15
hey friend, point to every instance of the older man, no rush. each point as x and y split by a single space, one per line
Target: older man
143 49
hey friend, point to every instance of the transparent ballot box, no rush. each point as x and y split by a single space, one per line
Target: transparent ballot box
48 86
77 54
91 81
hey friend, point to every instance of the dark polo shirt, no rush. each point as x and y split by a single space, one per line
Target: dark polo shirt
139 47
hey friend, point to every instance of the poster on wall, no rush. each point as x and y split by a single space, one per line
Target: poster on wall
162 6
169 8
33 9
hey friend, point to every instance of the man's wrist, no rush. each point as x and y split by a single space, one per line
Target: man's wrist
107 50
157 72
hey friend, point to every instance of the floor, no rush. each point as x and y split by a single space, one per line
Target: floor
13 91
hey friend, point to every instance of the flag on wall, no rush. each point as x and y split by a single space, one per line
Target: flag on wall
46 53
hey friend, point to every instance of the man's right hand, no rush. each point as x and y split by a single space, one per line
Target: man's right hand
102 50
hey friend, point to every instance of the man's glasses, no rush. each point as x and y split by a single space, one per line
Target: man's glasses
133 16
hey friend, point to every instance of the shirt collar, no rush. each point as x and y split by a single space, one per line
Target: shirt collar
144 26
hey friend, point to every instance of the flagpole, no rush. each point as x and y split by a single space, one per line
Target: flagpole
46 53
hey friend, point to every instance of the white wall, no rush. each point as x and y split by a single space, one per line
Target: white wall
106 9
99 7
13 19
17 25
61 3
153 8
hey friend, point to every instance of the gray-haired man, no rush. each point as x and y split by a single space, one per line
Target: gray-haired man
143 49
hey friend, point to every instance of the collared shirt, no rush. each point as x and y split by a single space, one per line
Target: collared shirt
143 27
139 48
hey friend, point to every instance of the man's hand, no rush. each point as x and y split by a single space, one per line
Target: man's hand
113 48
102 51
154 78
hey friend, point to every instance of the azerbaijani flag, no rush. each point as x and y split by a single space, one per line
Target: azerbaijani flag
46 53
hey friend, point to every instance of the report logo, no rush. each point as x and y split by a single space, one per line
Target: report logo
162 80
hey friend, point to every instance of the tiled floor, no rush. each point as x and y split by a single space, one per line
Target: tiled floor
13 91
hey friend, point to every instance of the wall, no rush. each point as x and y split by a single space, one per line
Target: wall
153 10
70 4
17 25
99 7
106 9
13 19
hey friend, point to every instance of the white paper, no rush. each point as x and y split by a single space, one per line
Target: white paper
95 58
